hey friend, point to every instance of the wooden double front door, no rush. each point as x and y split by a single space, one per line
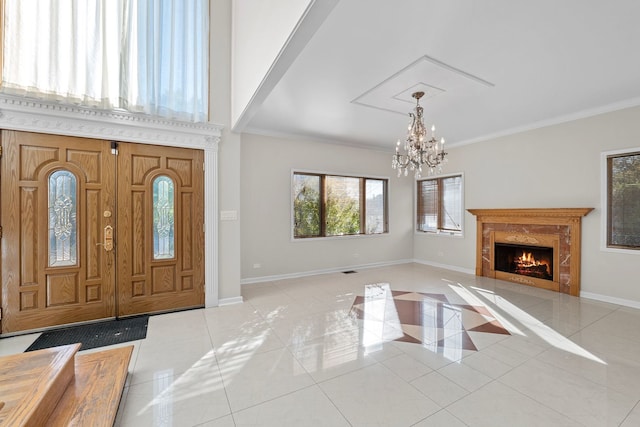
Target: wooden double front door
91 231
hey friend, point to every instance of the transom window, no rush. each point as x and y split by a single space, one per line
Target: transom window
439 205
141 56
623 200
332 205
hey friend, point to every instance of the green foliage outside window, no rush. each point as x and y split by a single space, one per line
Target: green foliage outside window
306 208
327 205
343 214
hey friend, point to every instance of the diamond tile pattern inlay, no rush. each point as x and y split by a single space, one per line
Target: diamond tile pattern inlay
422 318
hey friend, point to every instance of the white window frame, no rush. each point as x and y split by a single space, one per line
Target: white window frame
604 202
346 236
458 234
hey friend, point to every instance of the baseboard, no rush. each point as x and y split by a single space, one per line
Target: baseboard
612 300
230 301
227 301
323 271
446 266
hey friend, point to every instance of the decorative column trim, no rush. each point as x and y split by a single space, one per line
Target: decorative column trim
211 226
30 115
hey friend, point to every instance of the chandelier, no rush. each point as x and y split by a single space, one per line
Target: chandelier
420 150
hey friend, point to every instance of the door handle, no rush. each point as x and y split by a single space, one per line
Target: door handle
108 239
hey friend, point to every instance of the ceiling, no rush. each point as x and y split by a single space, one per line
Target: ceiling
488 68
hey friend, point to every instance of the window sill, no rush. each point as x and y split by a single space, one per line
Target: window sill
439 233
343 237
620 250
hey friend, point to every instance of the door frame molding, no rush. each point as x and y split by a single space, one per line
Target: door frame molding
25 114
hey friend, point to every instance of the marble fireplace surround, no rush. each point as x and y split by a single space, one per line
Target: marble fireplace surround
559 228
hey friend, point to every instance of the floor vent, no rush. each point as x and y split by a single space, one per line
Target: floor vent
349 272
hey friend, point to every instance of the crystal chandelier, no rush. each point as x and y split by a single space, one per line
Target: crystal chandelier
420 150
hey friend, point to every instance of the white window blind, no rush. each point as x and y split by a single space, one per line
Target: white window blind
148 56
439 205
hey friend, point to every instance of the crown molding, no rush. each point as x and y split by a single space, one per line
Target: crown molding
26 114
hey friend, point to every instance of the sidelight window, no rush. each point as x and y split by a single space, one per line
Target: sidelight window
163 218
63 225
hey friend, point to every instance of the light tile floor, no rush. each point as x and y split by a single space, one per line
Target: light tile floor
297 353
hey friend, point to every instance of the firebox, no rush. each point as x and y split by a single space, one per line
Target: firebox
532 261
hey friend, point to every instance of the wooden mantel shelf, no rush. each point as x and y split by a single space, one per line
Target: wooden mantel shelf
532 212
563 222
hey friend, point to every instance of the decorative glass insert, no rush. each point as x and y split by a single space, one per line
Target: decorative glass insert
63 225
163 218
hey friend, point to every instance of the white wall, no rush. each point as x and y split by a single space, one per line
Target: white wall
229 152
267 164
556 166
260 30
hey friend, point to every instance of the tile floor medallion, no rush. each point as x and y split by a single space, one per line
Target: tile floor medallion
422 318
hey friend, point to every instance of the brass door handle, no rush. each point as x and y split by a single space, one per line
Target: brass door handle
108 239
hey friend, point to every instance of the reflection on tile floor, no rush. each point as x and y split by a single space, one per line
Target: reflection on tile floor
419 347
423 318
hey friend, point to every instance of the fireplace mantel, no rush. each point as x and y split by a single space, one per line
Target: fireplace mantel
533 213
565 223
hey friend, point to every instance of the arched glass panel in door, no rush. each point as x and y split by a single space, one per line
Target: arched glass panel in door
63 225
163 218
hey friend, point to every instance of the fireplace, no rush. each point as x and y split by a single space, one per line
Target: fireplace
535 247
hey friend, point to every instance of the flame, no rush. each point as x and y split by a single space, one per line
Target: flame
528 265
528 260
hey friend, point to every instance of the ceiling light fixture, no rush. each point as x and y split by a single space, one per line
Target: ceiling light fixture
419 149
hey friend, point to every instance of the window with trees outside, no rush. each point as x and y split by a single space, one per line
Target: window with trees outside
623 200
331 205
439 205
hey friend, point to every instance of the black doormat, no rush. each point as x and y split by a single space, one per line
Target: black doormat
95 334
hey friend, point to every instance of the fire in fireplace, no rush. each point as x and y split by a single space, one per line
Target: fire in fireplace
532 261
